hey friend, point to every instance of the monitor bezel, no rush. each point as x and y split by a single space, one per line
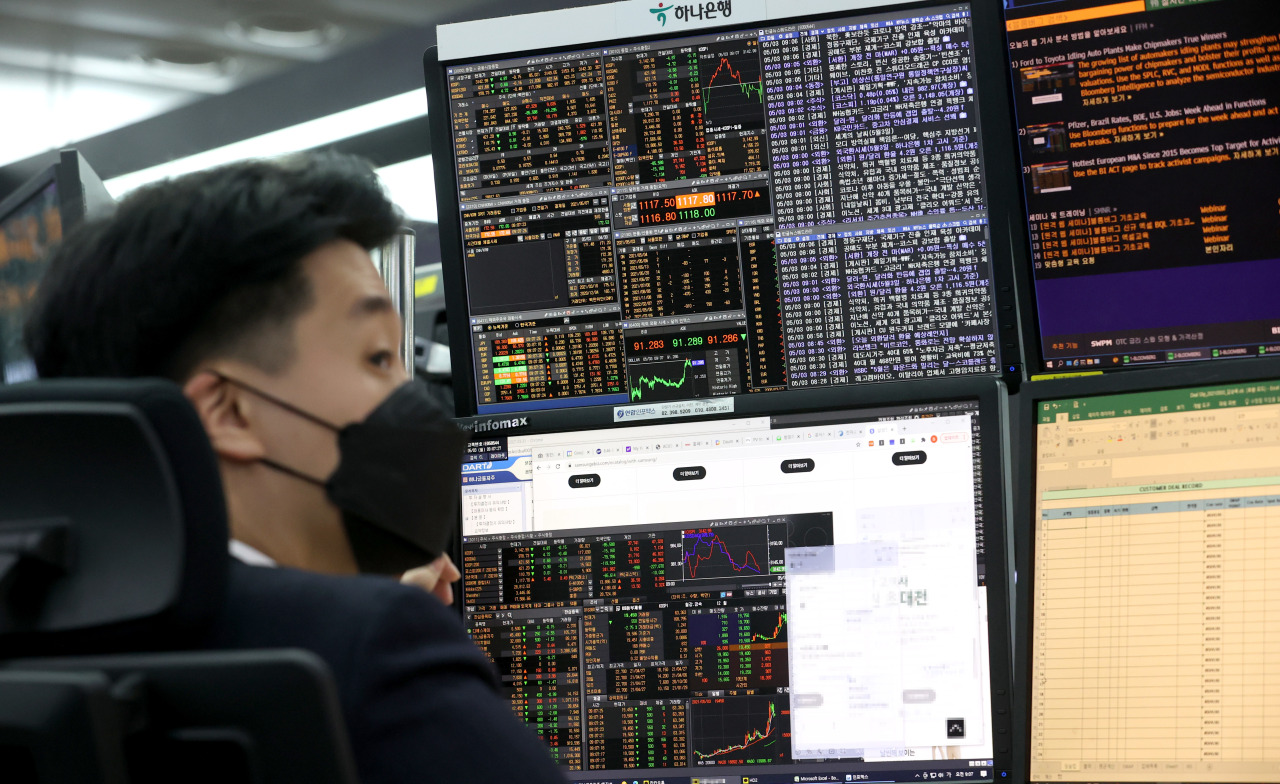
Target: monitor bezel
1146 379
992 397
81 194
1002 183
20 196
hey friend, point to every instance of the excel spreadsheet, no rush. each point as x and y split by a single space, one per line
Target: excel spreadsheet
1156 598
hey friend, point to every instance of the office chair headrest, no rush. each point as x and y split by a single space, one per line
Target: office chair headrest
111 516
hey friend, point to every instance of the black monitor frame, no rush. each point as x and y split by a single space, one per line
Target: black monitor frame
993 405
1024 493
1003 189
80 194
29 189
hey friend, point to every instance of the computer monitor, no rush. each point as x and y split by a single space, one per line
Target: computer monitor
646 202
33 219
1150 143
1148 611
815 593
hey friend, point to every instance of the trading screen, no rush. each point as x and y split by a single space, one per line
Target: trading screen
762 598
27 235
1150 140
1155 618
773 208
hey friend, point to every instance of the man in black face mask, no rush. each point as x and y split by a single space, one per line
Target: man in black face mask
252 287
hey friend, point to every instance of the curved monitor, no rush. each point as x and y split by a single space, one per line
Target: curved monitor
652 202
811 593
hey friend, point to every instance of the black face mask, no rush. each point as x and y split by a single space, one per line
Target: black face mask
398 478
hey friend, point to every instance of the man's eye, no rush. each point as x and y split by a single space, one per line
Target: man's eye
383 359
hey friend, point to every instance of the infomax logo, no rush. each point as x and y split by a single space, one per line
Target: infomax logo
491 425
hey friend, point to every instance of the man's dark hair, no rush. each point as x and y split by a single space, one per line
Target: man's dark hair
200 266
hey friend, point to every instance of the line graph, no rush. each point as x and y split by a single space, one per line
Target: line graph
654 380
752 90
732 93
740 730
710 554
777 630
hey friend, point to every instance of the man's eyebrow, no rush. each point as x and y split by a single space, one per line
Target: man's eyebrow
371 305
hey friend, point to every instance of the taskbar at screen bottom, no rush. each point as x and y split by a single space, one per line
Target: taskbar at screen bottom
976 771
1108 350
1164 357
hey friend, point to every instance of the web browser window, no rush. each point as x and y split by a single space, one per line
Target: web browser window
759 597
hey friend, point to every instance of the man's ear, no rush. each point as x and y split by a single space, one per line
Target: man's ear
222 409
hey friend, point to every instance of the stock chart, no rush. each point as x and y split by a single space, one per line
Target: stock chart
663 647
820 185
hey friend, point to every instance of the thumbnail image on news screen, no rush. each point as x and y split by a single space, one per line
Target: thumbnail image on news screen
780 207
1150 140
760 597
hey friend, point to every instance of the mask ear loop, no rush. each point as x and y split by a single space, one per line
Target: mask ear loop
282 403
287 407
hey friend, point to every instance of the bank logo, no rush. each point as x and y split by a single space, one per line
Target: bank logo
661 11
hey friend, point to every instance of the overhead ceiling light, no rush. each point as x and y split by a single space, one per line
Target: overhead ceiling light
81 109
285 31
305 136
412 186
190 62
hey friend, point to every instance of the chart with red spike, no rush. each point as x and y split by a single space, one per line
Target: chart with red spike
749 730
711 554
732 94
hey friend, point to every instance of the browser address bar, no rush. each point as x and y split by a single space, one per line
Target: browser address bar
649 431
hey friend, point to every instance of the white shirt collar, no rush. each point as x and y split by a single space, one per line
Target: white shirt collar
249 555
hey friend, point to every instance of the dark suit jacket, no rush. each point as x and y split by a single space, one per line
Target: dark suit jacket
419 698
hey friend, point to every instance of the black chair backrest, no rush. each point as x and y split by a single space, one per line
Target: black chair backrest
112 520
226 717
113 539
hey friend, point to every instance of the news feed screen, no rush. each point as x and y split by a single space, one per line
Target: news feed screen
1150 142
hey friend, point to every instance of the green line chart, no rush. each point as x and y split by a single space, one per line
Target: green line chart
667 380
